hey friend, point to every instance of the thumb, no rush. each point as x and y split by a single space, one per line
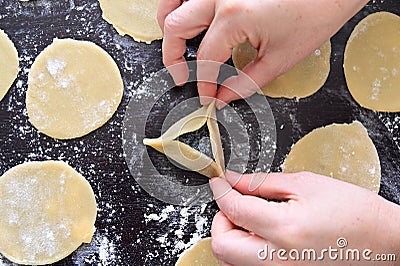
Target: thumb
254 76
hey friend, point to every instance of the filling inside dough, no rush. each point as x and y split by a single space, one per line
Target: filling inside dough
47 211
186 155
341 151
137 18
199 254
74 87
372 62
303 80
8 64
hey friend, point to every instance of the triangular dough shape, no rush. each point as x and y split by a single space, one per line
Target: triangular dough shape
186 155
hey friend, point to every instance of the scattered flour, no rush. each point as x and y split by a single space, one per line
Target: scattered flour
183 226
2 263
178 238
317 52
376 89
102 250
55 66
21 142
392 123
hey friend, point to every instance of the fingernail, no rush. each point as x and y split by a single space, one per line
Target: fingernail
232 177
219 187
256 181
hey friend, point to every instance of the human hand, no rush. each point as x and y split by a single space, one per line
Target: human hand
283 32
309 212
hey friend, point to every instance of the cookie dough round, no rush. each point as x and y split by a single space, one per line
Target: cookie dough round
303 80
341 151
137 18
199 254
8 63
372 62
74 87
47 210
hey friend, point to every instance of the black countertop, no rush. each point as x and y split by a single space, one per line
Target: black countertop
134 228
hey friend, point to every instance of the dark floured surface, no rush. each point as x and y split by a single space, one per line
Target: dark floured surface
133 228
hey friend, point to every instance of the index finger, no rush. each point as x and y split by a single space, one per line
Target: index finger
164 8
183 23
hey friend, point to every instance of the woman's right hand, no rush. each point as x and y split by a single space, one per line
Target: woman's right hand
283 32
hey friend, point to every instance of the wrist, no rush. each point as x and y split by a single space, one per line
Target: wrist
341 9
332 15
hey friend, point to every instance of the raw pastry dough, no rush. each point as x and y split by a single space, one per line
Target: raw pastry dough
8 63
303 80
342 151
372 62
215 137
47 210
74 87
200 254
137 18
186 155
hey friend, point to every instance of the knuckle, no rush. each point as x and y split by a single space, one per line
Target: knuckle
173 22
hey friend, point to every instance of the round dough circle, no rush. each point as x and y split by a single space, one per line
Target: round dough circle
9 63
372 62
301 81
199 254
341 151
137 18
74 87
47 210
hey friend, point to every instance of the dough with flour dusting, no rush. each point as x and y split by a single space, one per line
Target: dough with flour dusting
341 151
199 254
137 18
372 62
47 211
74 87
303 80
8 63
